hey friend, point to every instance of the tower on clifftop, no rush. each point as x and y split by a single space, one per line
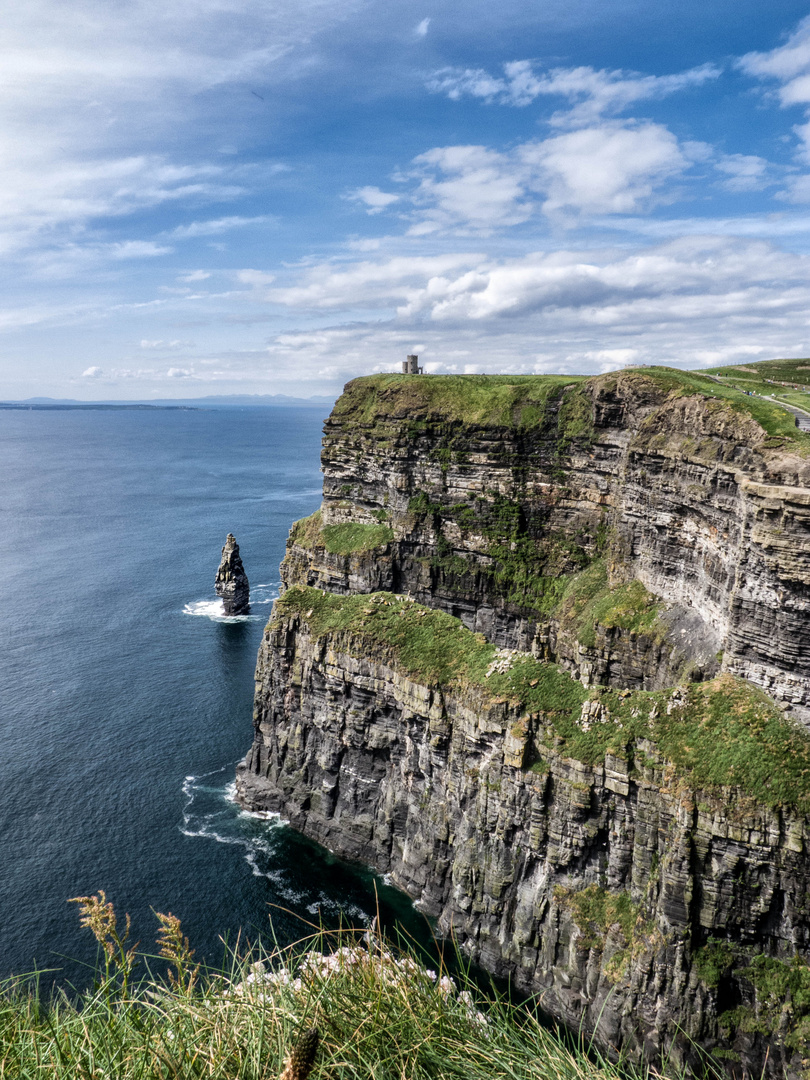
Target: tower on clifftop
410 366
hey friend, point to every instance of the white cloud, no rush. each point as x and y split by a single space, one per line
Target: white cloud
165 346
39 197
686 280
116 374
82 84
421 28
63 260
789 64
135 249
609 169
711 285
744 172
374 199
797 190
368 284
610 359
469 187
366 243
195 275
615 168
591 93
472 82
216 226
687 303
254 277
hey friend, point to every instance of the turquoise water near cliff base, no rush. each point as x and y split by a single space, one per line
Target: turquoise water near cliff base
125 698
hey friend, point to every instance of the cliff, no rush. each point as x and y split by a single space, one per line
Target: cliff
487 514
527 685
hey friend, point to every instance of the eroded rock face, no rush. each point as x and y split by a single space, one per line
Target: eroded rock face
680 493
646 912
231 580
604 888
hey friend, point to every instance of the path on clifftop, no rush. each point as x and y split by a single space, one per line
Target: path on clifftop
802 418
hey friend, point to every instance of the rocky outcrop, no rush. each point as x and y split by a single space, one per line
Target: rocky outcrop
641 909
519 665
231 580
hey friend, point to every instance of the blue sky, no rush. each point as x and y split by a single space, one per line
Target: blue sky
273 196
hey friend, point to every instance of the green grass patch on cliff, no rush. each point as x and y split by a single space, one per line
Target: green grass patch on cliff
431 646
782 1003
306 532
342 539
588 601
507 400
714 735
713 961
351 536
531 573
717 734
596 909
583 602
774 420
522 401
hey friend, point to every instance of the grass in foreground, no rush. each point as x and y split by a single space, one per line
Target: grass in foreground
379 1014
718 734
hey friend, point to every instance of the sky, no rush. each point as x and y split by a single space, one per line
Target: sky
275 196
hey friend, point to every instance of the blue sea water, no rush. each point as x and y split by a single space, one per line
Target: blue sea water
125 700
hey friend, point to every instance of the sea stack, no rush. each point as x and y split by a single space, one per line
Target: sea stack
232 583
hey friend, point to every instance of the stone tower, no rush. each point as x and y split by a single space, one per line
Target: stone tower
410 366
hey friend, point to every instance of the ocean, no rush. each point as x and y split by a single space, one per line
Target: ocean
126 697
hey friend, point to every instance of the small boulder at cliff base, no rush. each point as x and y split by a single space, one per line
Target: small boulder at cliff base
231 581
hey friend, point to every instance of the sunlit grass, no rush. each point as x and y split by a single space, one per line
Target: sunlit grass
372 1011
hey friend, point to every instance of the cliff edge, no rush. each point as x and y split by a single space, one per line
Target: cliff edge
542 656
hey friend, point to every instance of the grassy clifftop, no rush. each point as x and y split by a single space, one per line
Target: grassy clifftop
522 401
508 400
776 380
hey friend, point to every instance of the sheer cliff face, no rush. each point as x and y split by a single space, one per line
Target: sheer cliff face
634 850
678 491
635 905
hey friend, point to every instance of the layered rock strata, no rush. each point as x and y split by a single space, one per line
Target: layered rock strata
644 910
509 752
231 580
678 490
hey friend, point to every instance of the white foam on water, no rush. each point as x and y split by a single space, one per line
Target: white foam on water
269 817
213 824
266 593
327 904
211 812
210 609
215 611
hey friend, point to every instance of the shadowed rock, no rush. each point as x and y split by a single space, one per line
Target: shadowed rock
231 582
